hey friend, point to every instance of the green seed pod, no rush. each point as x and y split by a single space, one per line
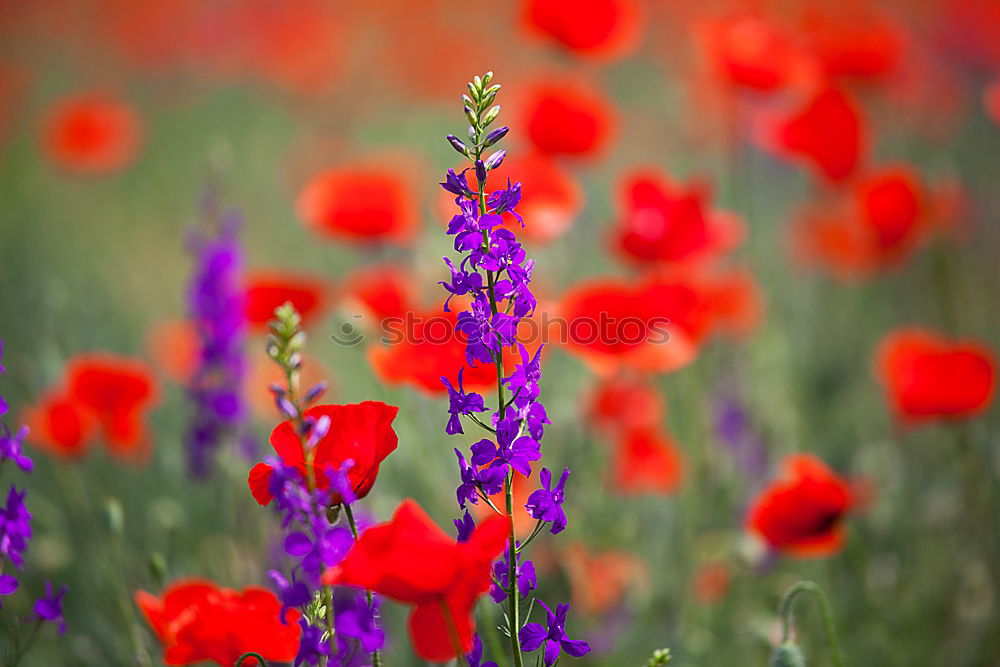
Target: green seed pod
157 565
787 654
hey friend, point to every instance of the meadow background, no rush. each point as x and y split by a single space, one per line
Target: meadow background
254 98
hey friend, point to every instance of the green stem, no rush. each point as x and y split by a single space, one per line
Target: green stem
376 658
785 611
250 654
456 641
22 649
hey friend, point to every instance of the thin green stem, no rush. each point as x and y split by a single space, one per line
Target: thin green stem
22 649
785 611
376 658
456 641
250 654
534 534
512 602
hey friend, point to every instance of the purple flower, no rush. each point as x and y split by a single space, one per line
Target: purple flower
504 201
11 450
357 621
516 450
8 584
462 282
524 380
545 504
15 528
475 656
457 184
464 527
460 403
49 607
489 480
524 573
486 333
534 635
291 593
312 648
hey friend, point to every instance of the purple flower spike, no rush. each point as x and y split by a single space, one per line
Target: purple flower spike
460 403
545 504
534 635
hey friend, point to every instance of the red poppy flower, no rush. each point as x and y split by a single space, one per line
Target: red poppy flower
827 132
551 199
645 461
266 290
623 403
877 227
361 203
60 425
360 432
664 222
422 349
750 51
568 118
599 581
802 514
411 560
92 133
382 292
653 326
117 392
196 620
927 376
855 43
603 29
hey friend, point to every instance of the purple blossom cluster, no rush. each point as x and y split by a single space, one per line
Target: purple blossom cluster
494 274
15 524
216 302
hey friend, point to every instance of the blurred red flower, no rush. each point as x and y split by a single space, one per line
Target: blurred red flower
750 51
711 582
856 43
603 29
599 580
362 203
196 620
802 514
827 132
360 432
266 290
60 425
927 376
92 133
877 226
645 460
623 403
381 292
655 325
667 222
411 560
568 117
425 347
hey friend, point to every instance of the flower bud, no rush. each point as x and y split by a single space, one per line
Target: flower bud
495 135
480 171
114 515
491 115
457 144
787 655
495 160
